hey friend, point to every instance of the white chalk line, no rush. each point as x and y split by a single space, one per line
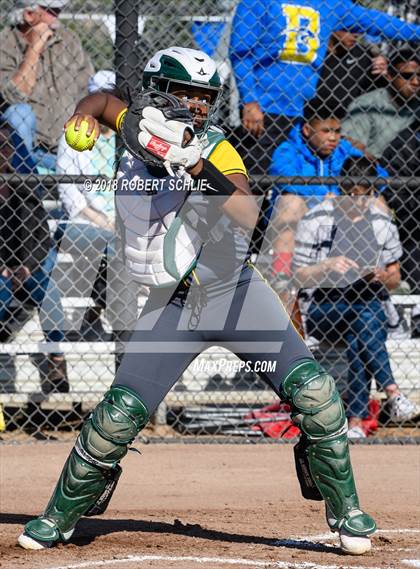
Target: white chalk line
248 562
214 560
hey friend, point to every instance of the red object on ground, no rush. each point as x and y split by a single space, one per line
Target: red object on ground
281 426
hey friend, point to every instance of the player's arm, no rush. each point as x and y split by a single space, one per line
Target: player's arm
96 109
225 175
241 206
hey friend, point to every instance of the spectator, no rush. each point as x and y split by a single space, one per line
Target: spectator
402 157
350 69
314 149
90 233
347 252
43 70
27 260
376 118
91 225
277 51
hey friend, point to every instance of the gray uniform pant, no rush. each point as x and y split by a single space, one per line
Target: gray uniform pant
245 316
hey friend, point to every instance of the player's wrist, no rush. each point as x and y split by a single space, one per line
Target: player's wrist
212 181
196 169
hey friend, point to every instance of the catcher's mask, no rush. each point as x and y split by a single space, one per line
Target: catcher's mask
202 101
172 108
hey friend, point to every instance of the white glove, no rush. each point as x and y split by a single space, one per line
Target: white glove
166 139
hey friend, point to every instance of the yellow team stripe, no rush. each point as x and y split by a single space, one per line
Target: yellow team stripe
2 421
227 160
119 120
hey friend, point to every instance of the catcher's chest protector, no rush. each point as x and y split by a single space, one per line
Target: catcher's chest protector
160 246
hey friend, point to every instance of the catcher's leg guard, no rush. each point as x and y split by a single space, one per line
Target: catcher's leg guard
322 455
90 475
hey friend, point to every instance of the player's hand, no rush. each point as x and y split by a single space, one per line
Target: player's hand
94 125
38 36
174 142
253 118
340 264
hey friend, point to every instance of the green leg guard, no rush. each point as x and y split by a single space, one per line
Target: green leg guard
322 455
91 472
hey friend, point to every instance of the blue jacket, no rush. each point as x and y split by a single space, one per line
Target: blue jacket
277 48
295 158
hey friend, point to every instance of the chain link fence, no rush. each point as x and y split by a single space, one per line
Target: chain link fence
322 103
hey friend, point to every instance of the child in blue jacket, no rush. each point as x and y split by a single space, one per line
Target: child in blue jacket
314 148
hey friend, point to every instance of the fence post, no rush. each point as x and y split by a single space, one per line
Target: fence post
126 39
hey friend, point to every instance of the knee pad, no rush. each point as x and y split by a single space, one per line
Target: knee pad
316 404
113 425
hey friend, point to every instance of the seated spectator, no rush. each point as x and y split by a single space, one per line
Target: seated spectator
27 260
43 70
350 69
347 254
91 214
314 149
376 118
402 158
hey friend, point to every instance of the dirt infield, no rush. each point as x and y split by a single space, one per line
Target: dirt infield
212 507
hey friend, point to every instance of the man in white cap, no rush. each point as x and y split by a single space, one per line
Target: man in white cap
43 72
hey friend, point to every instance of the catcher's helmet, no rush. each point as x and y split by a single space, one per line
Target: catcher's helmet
183 69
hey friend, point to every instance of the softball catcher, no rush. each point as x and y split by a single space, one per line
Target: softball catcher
190 248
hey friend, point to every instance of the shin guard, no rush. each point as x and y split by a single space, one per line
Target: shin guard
322 455
91 472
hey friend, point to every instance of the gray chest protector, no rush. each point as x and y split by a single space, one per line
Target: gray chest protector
165 223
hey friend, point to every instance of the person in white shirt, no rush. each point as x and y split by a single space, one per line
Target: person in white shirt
88 232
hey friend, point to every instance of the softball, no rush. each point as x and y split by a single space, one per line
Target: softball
78 140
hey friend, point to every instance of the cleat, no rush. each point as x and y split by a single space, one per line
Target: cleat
354 544
28 542
354 531
42 533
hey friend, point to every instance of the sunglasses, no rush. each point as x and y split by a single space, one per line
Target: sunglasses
408 75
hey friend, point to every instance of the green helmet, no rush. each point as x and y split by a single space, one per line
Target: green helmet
184 69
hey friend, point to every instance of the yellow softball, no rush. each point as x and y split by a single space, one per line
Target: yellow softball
78 139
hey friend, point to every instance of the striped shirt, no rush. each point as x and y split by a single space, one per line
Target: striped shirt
318 238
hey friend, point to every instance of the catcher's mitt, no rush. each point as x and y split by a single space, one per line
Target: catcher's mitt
171 108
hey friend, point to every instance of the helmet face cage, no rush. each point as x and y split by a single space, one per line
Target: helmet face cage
166 85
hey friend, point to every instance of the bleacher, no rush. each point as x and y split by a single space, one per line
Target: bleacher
91 367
